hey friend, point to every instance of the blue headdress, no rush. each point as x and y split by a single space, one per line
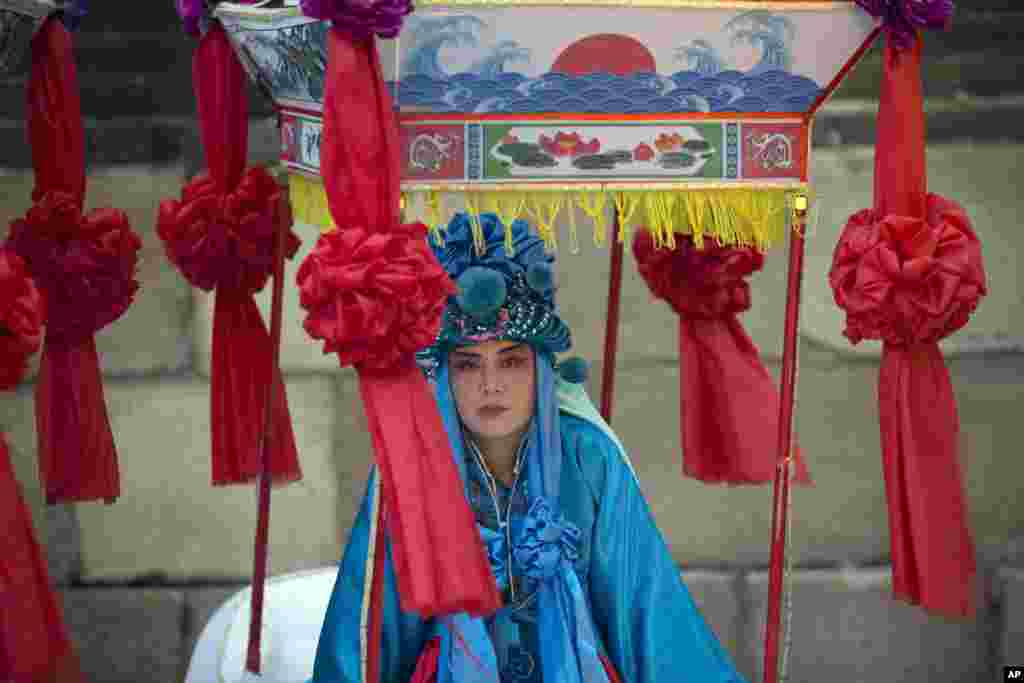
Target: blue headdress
503 294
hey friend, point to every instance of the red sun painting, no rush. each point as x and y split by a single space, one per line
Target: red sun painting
605 52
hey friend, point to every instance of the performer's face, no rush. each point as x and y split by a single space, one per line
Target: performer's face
493 384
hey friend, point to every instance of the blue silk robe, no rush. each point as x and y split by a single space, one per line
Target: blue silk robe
647 623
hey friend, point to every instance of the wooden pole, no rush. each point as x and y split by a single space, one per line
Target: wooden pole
259 573
780 495
611 325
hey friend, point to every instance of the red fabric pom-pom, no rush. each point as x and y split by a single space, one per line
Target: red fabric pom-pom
225 240
729 406
84 265
21 319
908 281
699 283
373 298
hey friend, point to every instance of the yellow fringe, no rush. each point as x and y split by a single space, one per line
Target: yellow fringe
595 210
309 202
749 216
544 209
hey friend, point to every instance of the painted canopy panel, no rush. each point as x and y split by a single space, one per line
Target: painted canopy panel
623 60
577 59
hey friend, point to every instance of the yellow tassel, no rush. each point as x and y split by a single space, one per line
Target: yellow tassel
574 241
595 210
668 201
625 207
507 209
545 210
655 222
474 220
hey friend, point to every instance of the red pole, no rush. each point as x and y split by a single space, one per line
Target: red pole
780 496
611 325
259 573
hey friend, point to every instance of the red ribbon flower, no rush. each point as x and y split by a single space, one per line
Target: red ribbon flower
225 240
21 319
728 401
908 281
373 298
84 264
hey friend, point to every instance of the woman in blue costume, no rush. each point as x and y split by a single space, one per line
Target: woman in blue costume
590 591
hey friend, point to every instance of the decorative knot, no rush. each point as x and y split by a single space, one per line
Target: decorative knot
544 539
703 283
373 298
903 18
223 239
361 18
908 281
84 265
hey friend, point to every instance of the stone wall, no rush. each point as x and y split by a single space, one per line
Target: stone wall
140 578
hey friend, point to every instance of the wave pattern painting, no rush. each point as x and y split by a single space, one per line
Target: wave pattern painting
605 93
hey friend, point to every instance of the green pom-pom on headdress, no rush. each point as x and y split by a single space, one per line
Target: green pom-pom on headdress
482 291
574 370
541 278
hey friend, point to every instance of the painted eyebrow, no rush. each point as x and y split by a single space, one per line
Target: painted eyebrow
470 354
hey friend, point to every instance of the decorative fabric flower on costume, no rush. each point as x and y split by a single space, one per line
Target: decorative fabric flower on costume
373 298
908 281
83 265
903 18
225 240
497 553
21 318
544 539
699 283
362 18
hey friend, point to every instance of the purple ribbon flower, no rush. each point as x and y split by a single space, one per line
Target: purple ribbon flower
73 13
192 13
545 539
903 18
362 18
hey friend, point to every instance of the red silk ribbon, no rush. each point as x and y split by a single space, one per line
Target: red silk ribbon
221 236
34 644
729 405
375 294
909 272
84 265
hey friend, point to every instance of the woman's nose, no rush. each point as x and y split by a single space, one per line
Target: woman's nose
489 380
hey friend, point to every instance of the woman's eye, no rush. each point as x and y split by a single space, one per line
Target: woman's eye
513 362
465 365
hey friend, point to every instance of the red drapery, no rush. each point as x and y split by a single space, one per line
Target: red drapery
221 236
375 294
729 404
909 272
85 267
34 645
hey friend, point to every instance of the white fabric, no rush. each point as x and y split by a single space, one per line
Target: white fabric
294 606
